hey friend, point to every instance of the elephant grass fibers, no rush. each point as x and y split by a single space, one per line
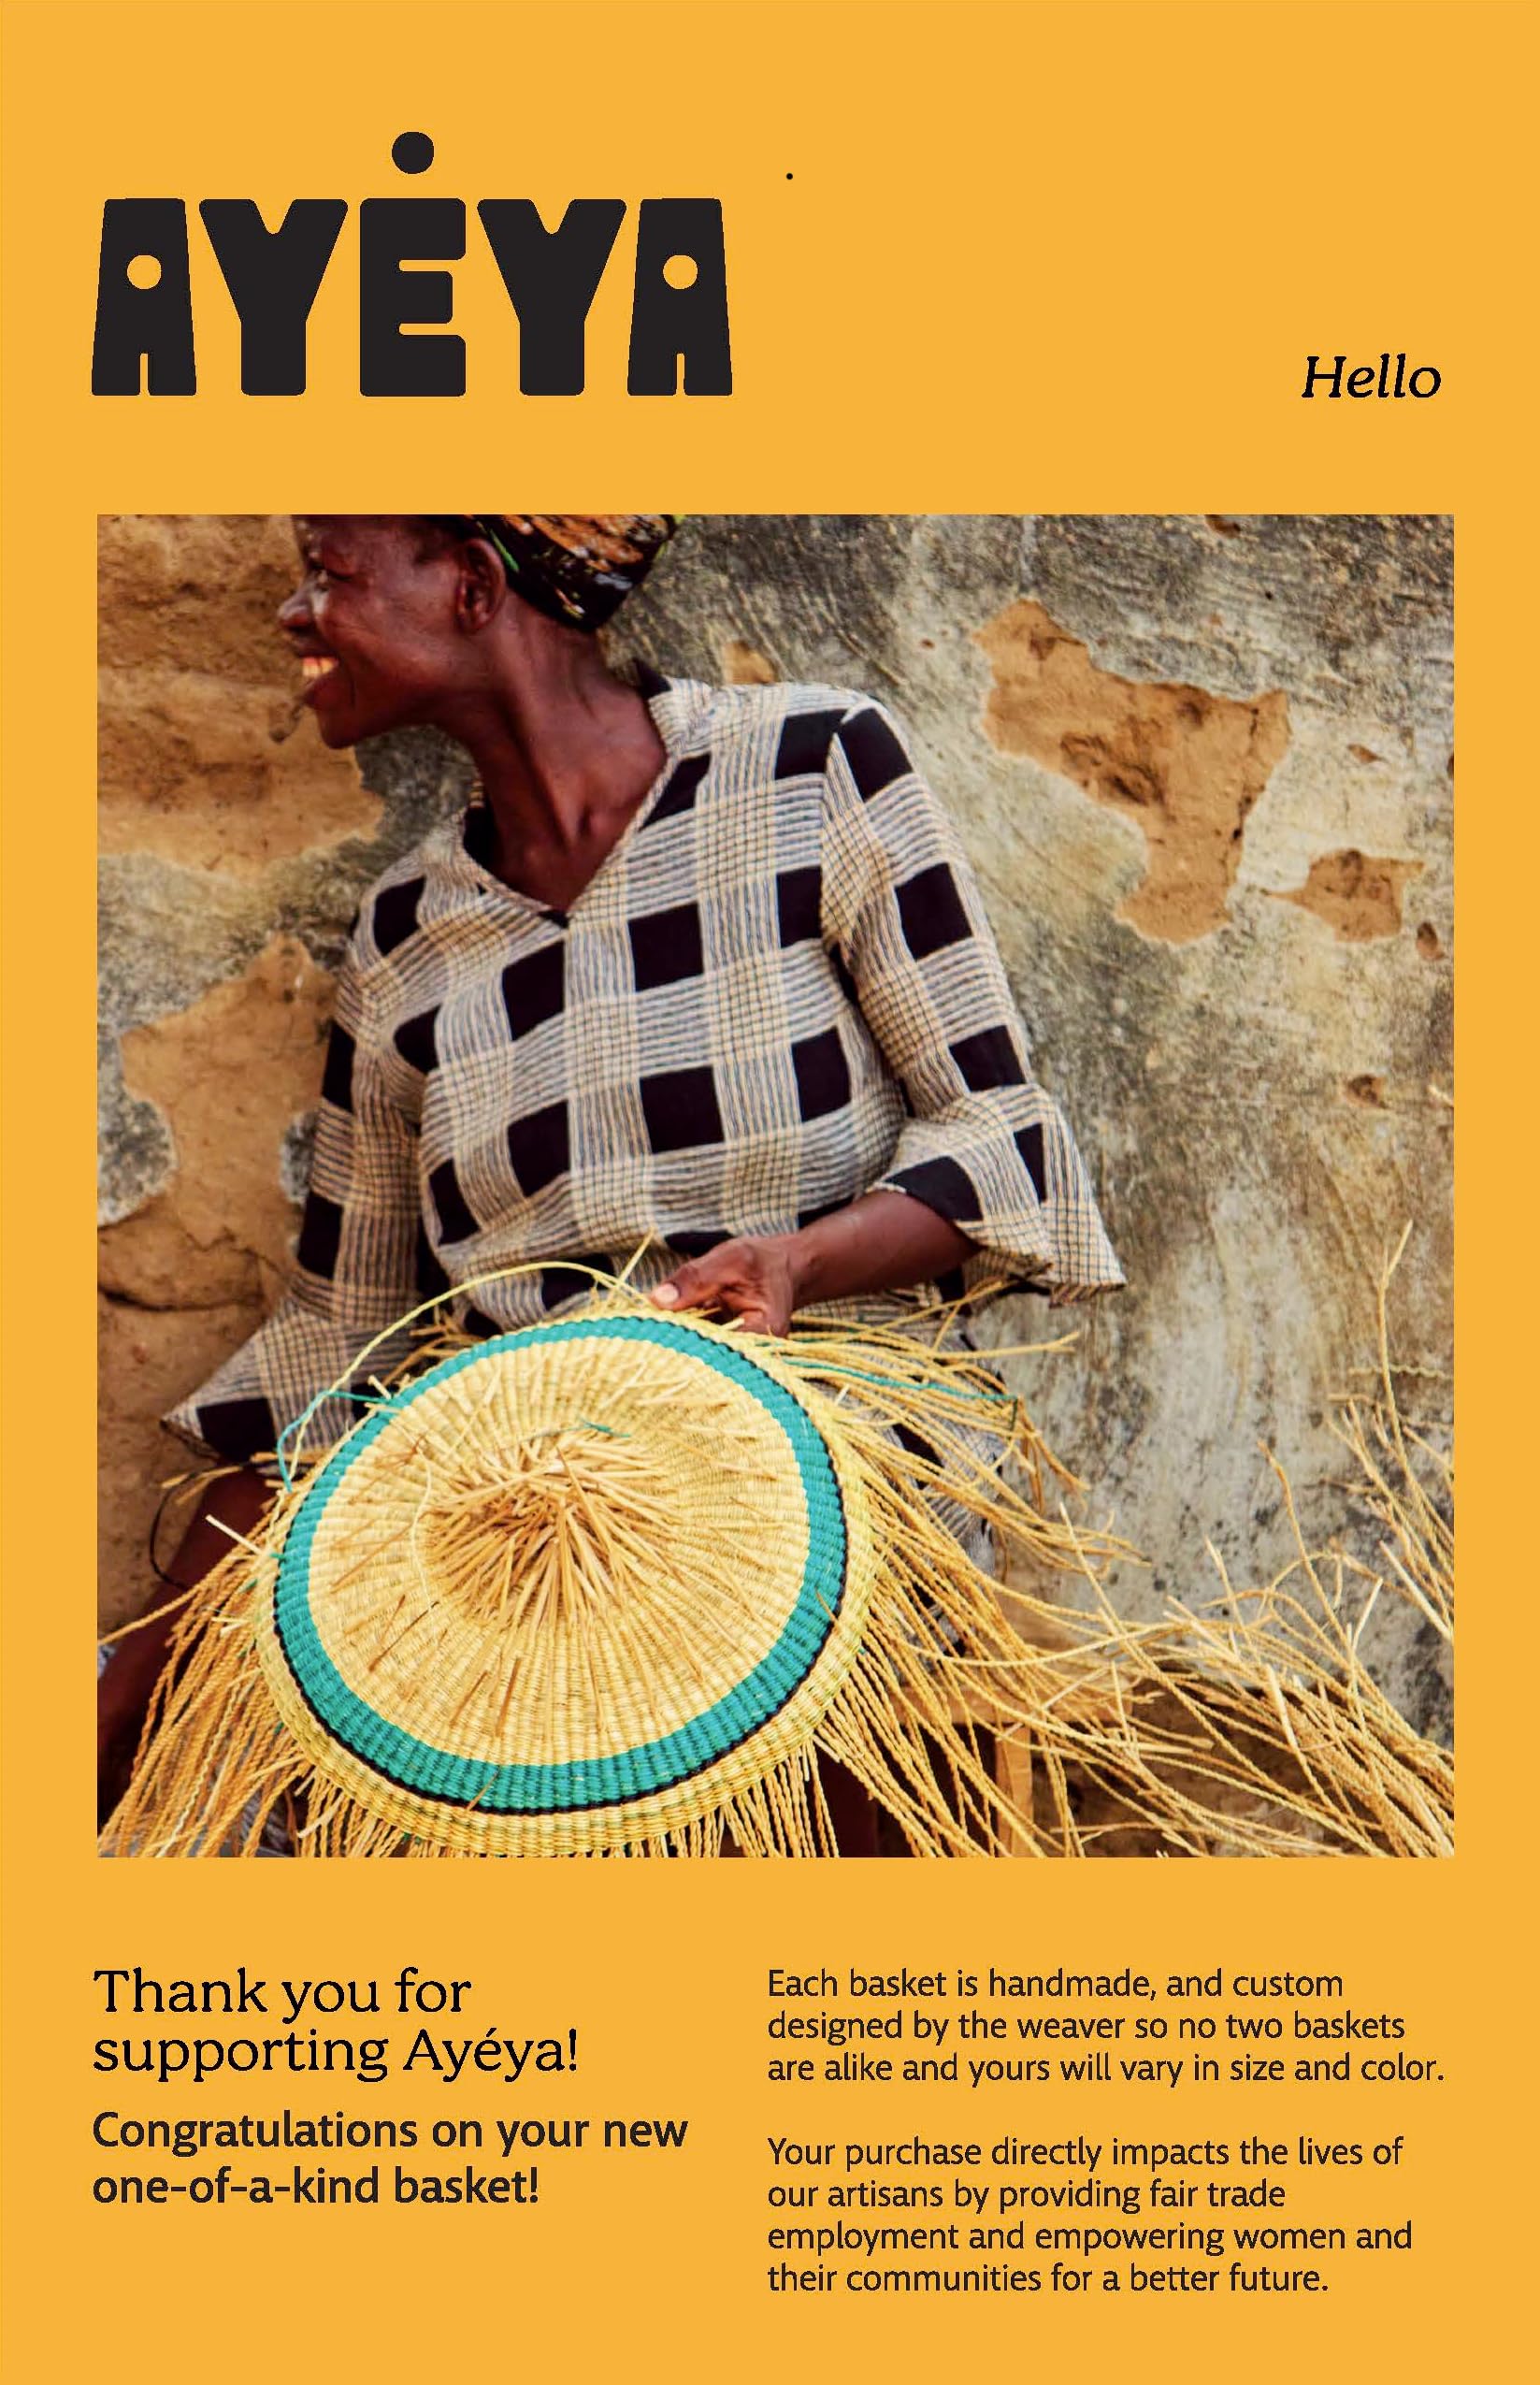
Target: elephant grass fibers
1249 1722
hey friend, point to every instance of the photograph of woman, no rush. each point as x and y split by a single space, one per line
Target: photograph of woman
700 972
584 1231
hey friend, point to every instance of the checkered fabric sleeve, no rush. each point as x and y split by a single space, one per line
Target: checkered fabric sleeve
983 1144
359 1264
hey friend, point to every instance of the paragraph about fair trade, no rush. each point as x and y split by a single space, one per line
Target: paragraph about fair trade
1067 2132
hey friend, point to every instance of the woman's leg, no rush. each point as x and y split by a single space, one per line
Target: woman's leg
853 1814
239 1501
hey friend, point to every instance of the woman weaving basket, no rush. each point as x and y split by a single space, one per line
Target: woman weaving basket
700 969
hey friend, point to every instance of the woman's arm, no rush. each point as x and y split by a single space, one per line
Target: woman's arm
238 1501
356 1266
982 1143
880 1243
984 1173
355 1273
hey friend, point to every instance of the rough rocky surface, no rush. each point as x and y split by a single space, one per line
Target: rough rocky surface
1204 768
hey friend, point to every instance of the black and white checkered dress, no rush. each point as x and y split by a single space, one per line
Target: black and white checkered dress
780 991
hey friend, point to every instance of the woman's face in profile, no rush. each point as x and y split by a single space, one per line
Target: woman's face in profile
373 623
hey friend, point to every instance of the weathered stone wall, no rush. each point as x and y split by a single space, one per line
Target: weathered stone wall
1205 769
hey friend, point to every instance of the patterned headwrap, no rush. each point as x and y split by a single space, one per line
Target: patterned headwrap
576 567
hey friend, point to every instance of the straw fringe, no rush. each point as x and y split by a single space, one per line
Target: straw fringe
1250 1723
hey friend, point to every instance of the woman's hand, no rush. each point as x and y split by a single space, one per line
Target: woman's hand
880 1243
754 1278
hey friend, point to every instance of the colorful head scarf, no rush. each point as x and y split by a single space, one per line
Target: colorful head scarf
576 567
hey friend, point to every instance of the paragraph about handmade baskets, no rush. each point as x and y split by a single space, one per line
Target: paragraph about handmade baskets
928 2131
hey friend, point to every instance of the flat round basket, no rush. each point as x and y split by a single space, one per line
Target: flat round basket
575 1587
620 1583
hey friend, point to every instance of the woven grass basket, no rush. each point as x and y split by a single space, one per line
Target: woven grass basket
610 1585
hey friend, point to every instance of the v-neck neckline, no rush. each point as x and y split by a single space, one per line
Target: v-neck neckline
674 705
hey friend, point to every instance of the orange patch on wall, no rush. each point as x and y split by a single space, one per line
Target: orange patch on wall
230 1075
1357 894
745 666
1188 766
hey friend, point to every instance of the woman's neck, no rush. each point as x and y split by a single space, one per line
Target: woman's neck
564 754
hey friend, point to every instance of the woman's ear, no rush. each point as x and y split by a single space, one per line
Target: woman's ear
483 586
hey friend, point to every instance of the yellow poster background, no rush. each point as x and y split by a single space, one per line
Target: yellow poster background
981 259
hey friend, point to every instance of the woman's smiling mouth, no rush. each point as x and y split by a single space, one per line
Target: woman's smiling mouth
314 670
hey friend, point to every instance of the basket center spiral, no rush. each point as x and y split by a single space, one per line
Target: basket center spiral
546 1529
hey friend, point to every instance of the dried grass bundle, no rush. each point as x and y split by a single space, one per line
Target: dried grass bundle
1250 1724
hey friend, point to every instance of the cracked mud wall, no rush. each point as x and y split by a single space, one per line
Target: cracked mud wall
1205 769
